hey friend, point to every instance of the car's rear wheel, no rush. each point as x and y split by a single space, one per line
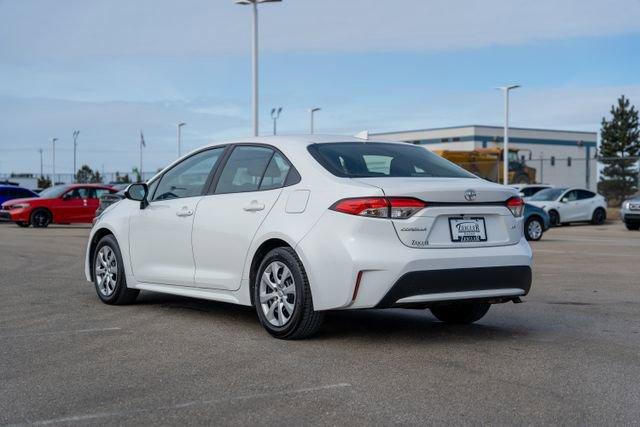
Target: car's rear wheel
40 218
22 224
282 296
633 225
460 313
598 217
108 274
533 228
554 218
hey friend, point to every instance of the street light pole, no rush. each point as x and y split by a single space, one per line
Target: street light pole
312 111
53 143
275 114
180 139
505 147
75 146
254 59
41 170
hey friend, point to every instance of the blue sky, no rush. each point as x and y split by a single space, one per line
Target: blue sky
113 68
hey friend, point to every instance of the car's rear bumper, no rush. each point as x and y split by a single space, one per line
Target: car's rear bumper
459 284
363 264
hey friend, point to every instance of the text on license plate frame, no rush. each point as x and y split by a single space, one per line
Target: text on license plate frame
481 233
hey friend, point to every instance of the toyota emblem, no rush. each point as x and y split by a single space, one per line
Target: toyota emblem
470 195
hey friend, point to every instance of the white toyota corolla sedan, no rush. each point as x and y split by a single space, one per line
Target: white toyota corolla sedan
296 226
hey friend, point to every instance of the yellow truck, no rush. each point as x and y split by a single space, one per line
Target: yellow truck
487 163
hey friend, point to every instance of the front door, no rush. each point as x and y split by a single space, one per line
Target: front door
570 206
71 206
160 234
226 221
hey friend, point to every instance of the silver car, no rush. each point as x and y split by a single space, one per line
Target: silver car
630 213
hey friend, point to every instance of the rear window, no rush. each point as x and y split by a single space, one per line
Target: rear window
376 159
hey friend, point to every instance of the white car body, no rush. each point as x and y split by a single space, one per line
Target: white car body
571 204
528 190
207 246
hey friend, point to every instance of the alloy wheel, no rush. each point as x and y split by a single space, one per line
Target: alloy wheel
40 219
106 271
277 293
534 229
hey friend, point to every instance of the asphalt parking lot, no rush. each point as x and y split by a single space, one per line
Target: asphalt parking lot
570 355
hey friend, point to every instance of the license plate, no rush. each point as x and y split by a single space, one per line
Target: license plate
468 229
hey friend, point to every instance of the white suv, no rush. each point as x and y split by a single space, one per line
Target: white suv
296 226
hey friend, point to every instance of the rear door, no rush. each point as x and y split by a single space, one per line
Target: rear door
226 221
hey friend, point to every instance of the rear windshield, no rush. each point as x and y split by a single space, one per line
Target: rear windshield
376 159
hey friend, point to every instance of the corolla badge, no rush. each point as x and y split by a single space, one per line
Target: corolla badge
470 195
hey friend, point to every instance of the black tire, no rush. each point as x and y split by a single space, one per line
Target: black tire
599 216
461 313
40 218
304 321
121 294
632 226
22 224
554 218
531 227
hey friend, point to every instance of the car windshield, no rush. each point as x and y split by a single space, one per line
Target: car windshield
548 194
377 159
54 192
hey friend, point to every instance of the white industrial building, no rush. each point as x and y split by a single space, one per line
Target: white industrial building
560 157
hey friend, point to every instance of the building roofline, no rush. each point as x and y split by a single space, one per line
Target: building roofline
483 126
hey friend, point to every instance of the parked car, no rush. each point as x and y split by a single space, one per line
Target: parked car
566 205
75 203
630 213
10 192
528 190
296 226
109 199
536 222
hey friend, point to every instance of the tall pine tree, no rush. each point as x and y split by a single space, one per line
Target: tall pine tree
620 141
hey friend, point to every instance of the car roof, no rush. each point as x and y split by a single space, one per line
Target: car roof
5 186
297 140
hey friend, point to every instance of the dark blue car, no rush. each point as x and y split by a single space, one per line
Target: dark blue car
10 192
536 222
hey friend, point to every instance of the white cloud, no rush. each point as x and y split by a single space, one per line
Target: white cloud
31 29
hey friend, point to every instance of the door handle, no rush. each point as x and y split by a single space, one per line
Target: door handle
184 212
254 206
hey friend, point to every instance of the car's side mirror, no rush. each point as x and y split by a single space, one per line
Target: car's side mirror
66 196
521 194
564 200
138 192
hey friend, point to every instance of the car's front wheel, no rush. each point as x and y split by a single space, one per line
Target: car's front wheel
554 218
533 228
40 218
598 217
108 274
460 313
282 296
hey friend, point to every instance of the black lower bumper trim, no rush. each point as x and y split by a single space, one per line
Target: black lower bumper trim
458 280
5 216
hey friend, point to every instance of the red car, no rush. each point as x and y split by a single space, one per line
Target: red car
63 204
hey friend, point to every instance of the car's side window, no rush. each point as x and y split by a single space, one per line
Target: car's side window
101 192
584 194
571 196
276 173
244 169
78 193
188 178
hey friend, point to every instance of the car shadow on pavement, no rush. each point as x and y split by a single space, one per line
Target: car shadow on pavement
404 324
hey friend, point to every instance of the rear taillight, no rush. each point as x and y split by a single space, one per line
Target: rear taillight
516 206
380 207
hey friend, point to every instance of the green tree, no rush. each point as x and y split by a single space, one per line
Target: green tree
137 174
84 174
619 149
43 182
87 175
122 179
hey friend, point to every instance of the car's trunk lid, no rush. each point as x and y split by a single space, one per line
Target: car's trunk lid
460 212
